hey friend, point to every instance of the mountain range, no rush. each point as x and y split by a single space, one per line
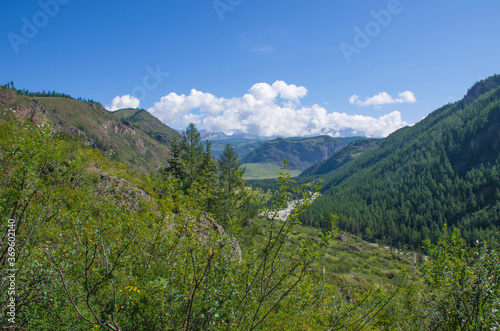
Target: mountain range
139 139
399 190
300 152
403 189
132 136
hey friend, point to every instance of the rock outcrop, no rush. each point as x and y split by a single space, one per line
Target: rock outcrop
118 127
206 224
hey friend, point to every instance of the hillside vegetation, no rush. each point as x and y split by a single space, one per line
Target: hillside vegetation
341 157
147 123
133 137
300 152
445 169
265 171
91 242
241 147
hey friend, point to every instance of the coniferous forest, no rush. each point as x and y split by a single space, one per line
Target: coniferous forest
96 238
445 169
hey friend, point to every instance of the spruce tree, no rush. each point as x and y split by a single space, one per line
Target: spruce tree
208 179
235 203
175 167
193 156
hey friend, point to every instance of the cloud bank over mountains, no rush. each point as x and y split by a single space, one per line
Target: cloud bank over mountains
267 110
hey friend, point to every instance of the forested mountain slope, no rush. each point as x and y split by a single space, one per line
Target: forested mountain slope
301 152
342 157
93 243
134 137
444 169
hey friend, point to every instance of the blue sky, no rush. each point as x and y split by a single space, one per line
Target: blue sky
224 57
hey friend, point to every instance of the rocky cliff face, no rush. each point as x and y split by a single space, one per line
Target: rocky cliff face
118 127
101 129
7 97
480 88
342 157
301 153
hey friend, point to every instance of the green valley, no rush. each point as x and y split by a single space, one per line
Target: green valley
300 152
403 190
265 171
120 223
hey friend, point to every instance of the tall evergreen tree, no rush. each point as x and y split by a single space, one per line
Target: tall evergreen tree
175 167
208 177
193 156
234 200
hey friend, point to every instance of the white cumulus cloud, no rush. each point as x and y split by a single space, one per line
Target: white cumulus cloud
267 110
289 92
383 98
120 102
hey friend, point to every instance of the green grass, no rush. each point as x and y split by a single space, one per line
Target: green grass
125 114
140 150
265 171
367 266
